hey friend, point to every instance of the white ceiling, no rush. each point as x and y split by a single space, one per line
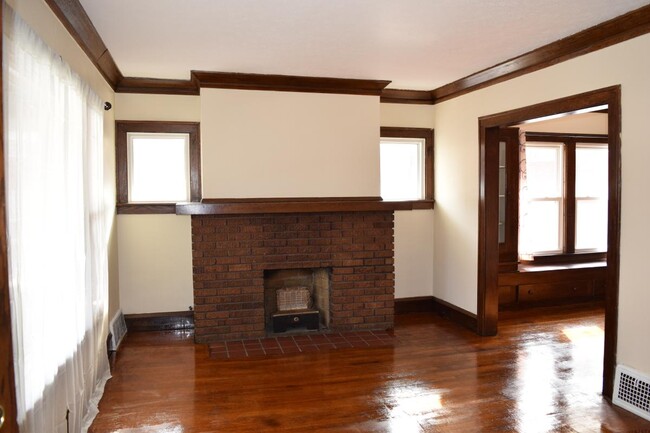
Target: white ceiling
418 44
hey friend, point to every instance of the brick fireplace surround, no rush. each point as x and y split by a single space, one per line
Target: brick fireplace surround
231 253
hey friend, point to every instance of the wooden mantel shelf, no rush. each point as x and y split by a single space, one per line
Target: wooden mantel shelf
297 205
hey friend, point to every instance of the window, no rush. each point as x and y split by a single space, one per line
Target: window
545 196
591 197
565 202
158 165
402 164
406 164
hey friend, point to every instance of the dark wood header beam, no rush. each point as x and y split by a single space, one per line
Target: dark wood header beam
291 205
288 83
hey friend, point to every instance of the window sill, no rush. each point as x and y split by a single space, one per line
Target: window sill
146 208
416 204
559 259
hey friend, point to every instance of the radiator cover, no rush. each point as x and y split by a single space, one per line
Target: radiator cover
117 328
632 391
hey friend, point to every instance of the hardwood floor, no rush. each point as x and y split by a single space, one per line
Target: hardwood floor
542 373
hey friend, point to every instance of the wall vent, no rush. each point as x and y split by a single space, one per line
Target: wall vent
117 329
632 391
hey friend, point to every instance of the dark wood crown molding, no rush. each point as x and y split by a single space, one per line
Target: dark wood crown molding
157 86
400 96
614 31
227 80
288 83
619 29
75 19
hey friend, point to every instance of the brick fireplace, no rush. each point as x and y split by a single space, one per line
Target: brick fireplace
232 253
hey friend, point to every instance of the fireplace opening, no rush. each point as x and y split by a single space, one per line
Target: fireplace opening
296 300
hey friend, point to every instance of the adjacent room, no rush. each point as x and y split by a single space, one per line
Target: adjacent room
336 216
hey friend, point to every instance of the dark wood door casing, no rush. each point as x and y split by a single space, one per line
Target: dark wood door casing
508 250
487 284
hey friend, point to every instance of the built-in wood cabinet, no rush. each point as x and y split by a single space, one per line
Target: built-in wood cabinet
531 286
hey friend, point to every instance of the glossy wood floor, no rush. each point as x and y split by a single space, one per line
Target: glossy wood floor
541 374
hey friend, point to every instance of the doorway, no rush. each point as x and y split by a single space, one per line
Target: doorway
488 242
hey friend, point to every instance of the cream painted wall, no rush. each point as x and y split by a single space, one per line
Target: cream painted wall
155 259
413 229
148 287
456 124
407 115
413 253
137 106
43 21
288 144
155 255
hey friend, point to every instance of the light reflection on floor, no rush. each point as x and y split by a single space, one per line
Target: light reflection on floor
544 363
584 334
409 404
160 428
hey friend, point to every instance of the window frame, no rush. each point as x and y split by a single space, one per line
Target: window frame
569 142
122 129
427 135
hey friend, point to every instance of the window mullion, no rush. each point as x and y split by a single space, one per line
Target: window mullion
570 196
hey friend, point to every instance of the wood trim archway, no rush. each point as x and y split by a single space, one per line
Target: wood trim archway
488 250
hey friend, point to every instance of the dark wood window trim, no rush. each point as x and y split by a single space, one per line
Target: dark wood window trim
568 254
122 128
428 136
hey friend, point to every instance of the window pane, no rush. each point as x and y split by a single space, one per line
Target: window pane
502 191
544 170
591 224
591 171
502 219
543 223
401 169
158 168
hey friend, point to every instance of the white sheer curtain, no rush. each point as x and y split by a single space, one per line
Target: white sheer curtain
57 234
524 247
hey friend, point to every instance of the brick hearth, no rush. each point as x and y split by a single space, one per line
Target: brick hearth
231 252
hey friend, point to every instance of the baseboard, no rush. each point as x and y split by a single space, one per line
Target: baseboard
167 321
431 304
456 314
417 304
